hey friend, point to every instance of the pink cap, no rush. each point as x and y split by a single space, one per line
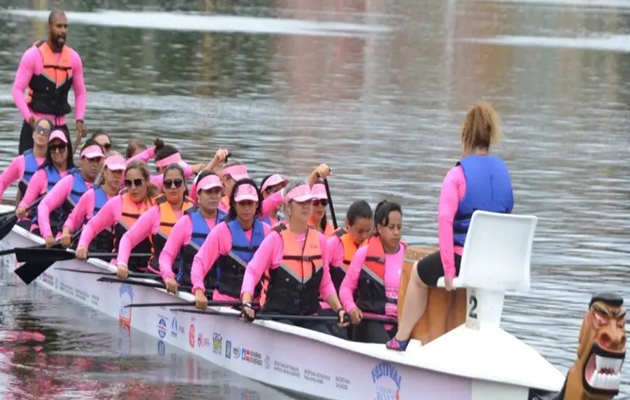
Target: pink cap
299 193
172 159
115 163
57 134
246 192
273 180
93 151
237 172
209 182
319 191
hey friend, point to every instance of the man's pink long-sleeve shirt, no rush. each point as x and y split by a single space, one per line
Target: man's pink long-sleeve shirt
31 64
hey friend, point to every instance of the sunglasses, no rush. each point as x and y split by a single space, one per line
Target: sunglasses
173 183
133 183
324 203
43 131
58 147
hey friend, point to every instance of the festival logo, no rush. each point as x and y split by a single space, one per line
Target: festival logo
387 381
217 343
162 327
228 349
174 328
191 335
126 297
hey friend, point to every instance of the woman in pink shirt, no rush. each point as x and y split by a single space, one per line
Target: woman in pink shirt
190 232
156 224
93 201
58 164
24 166
231 173
272 184
219 157
374 274
320 200
293 258
121 212
479 181
230 246
54 209
166 155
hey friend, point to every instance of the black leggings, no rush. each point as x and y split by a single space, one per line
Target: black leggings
26 136
430 268
312 325
372 332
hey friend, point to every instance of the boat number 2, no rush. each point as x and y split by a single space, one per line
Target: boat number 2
473 306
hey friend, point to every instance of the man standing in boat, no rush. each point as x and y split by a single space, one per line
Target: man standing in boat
49 69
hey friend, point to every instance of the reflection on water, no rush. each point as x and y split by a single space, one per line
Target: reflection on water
381 101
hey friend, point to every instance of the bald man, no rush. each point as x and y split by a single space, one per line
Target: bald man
50 69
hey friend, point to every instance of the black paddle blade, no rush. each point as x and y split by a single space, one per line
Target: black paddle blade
40 255
6 225
31 270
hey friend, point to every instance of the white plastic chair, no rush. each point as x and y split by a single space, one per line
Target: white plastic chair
496 258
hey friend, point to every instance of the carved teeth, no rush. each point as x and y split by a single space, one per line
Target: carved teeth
603 364
605 381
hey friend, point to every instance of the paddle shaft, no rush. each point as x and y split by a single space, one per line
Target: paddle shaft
330 204
211 303
140 283
264 317
148 275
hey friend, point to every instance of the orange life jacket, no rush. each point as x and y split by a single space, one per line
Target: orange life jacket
225 200
168 219
371 289
338 272
293 287
328 232
129 216
48 91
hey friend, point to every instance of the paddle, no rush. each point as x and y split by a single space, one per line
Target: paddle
264 317
147 275
53 255
140 283
11 251
211 303
330 204
9 219
379 319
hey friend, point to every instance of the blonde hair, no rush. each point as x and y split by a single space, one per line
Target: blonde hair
101 182
482 127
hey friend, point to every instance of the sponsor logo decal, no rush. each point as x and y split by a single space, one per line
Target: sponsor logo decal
191 335
251 356
126 295
228 349
161 348
162 327
47 278
387 381
174 328
217 343
236 352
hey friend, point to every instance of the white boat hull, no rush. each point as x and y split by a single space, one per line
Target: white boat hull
282 356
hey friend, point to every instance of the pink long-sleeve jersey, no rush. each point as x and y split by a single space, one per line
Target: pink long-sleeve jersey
453 191
52 201
15 171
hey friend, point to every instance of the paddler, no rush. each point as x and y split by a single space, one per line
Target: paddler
272 184
121 212
59 162
374 274
293 257
54 209
219 157
479 181
320 200
24 166
49 69
232 244
167 155
190 232
102 138
156 224
93 201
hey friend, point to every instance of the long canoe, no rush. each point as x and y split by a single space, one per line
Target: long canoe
303 361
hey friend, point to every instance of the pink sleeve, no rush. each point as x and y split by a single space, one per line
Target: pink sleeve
144 156
36 187
14 171
108 216
180 236
22 78
351 281
78 84
188 171
326 287
158 180
147 224
271 203
267 229
448 205
218 242
52 201
261 262
81 211
335 251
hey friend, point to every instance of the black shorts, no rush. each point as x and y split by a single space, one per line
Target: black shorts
26 136
430 268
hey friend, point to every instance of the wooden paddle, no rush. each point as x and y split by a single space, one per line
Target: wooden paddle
9 219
